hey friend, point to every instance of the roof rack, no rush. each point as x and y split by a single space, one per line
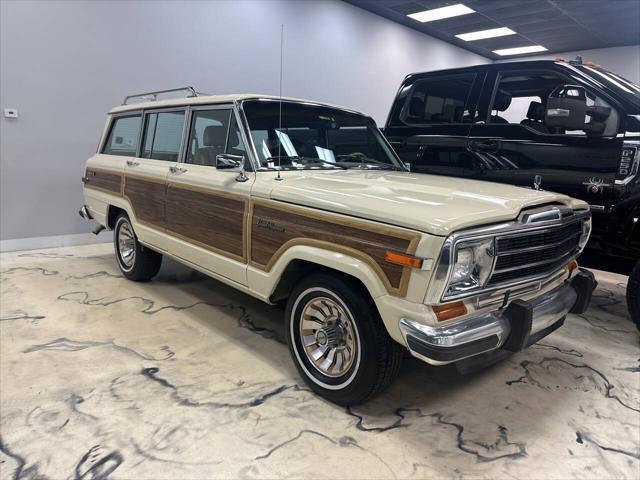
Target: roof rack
154 95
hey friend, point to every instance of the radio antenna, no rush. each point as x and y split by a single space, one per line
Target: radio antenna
278 136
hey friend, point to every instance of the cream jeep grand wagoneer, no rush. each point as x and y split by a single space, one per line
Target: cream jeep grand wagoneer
307 203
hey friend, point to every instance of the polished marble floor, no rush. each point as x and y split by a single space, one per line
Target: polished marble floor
185 378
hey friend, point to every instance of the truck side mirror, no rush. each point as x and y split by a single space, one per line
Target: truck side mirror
226 161
566 108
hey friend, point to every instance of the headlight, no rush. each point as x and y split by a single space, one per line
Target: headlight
586 232
472 261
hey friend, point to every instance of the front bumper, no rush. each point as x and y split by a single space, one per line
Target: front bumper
513 328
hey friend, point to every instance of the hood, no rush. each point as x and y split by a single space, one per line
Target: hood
429 203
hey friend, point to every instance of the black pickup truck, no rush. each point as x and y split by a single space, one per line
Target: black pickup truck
569 127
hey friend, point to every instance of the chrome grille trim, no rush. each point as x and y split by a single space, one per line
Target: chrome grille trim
553 217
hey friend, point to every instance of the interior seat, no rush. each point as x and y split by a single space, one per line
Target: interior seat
535 117
500 103
416 107
213 141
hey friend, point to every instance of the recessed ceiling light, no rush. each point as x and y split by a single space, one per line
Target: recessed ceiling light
440 13
517 50
479 35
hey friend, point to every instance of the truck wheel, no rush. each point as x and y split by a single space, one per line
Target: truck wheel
136 261
338 341
633 294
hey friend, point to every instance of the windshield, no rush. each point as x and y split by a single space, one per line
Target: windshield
624 87
315 137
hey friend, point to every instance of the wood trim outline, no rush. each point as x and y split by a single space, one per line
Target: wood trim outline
413 239
91 172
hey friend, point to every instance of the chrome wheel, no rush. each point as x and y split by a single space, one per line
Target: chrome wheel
126 242
328 337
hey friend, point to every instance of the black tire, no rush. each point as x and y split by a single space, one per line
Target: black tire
633 294
145 263
378 357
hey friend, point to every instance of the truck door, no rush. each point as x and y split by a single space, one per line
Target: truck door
514 145
429 124
207 207
146 176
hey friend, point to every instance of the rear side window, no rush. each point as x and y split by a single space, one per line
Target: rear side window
439 100
123 136
163 135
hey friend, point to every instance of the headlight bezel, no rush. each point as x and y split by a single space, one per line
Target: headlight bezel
437 292
447 262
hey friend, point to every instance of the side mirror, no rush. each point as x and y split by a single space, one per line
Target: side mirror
226 161
566 108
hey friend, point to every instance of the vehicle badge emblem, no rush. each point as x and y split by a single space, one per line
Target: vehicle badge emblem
595 185
537 180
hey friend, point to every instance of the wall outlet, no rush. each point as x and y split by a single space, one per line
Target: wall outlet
11 113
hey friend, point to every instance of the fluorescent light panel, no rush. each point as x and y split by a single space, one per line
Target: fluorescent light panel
479 35
440 13
518 50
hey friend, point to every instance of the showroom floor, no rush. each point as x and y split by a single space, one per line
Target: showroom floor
186 378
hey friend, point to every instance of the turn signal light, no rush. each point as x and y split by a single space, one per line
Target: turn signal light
403 259
572 265
450 310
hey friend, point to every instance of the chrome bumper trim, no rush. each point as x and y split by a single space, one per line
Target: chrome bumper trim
472 336
84 213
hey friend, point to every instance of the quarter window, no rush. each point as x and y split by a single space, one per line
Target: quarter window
123 137
440 100
163 136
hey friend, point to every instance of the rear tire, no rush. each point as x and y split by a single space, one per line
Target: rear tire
136 262
633 294
338 341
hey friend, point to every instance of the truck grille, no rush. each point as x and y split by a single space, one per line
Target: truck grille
527 254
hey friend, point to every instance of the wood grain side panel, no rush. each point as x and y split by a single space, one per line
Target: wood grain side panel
273 229
211 220
110 182
147 198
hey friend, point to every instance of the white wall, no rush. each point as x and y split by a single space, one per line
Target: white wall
624 61
64 64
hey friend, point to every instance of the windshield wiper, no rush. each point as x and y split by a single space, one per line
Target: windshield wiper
304 160
367 160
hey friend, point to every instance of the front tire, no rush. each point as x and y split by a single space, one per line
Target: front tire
136 262
338 341
633 294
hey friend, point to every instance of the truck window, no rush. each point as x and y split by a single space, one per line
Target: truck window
520 98
163 135
439 100
208 136
235 144
123 136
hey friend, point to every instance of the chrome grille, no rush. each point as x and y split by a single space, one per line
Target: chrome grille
525 254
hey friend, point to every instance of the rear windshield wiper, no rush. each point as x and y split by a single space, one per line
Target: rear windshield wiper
367 160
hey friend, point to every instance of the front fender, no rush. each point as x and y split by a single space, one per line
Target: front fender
265 282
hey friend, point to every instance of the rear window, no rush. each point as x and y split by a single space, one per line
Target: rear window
439 100
163 136
123 136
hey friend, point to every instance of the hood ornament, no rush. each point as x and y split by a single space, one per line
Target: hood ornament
537 180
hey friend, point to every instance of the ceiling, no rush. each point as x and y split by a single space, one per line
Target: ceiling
558 25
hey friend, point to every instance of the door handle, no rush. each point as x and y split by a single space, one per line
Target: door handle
131 163
484 145
177 170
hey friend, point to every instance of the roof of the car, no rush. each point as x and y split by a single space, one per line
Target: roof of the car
490 66
214 99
